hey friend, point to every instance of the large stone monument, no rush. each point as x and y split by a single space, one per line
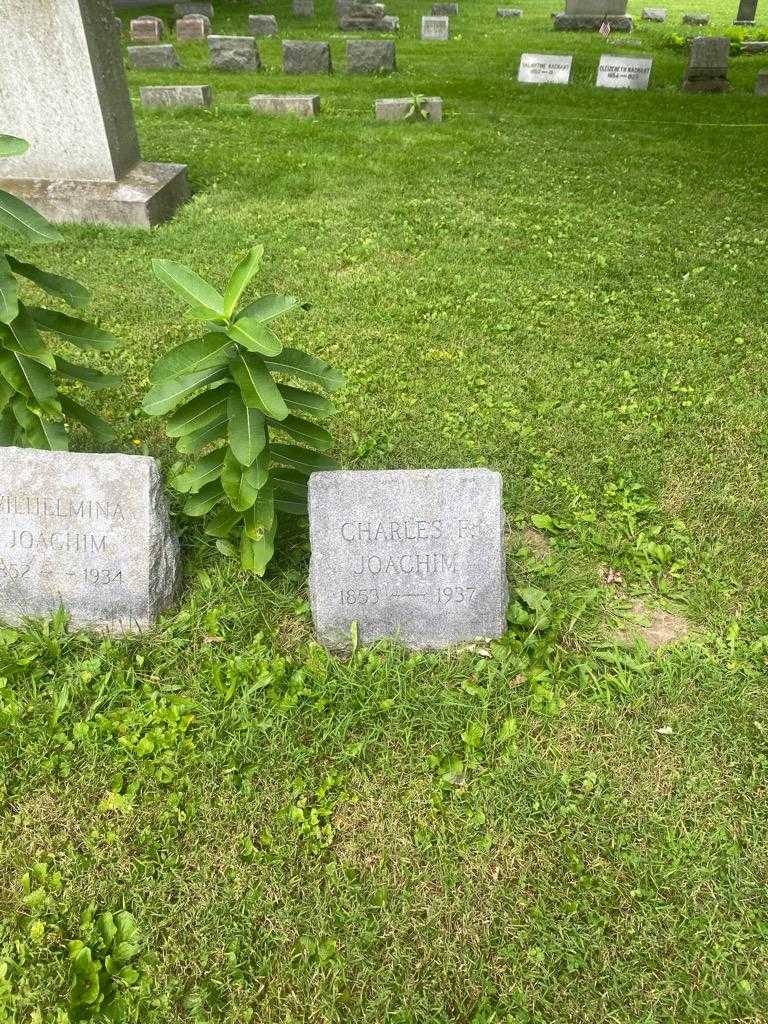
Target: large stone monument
589 15
63 89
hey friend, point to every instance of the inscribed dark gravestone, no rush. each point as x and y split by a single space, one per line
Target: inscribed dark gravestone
89 533
747 12
417 555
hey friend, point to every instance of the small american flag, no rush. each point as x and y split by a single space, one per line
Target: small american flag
605 29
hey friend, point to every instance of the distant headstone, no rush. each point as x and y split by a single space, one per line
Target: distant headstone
277 105
626 43
549 68
390 23
152 58
654 14
435 29
192 27
233 53
707 69
176 96
370 56
754 46
74 109
695 19
399 109
304 8
301 57
414 555
363 17
509 12
761 83
119 26
589 15
440 9
262 24
746 13
89 533
147 29
614 72
192 7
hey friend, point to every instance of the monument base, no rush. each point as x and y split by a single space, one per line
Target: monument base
745 23
705 85
591 23
147 195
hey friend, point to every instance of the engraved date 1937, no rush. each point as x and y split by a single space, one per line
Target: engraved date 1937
435 595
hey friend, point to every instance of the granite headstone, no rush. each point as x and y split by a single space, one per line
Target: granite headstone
233 53
370 56
399 109
589 15
549 68
707 69
192 27
614 72
176 96
302 57
285 103
153 57
262 24
435 28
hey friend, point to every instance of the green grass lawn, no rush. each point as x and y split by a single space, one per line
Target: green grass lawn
566 285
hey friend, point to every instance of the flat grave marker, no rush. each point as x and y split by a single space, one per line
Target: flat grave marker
153 96
399 108
655 14
416 555
545 68
153 57
89 533
615 72
286 103
509 12
435 29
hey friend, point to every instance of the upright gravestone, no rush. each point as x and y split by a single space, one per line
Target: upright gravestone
655 14
192 27
233 53
435 28
362 17
89 533
302 57
444 8
153 58
262 24
696 18
182 10
614 72
761 82
304 8
414 555
589 15
747 12
147 29
707 69
370 56
83 162
545 68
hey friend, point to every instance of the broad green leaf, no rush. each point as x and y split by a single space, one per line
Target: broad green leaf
294 506
258 389
269 307
198 413
6 394
241 278
24 415
10 145
191 443
255 555
204 472
95 425
166 396
203 297
307 403
22 336
200 504
72 292
247 436
300 364
261 515
55 435
93 379
199 354
302 459
9 428
242 484
9 292
227 548
305 431
31 379
288 481
77 331
18 217
223 523
254 336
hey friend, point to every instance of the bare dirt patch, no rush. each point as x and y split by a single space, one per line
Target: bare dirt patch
653 625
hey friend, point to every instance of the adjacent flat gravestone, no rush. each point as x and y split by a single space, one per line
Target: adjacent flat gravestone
176 96
695 19
192 27
370 56
589 15
399 109
438 9
304 8
761 83
83 162
363 17
89 533
306 58
233 53
390 23
262 24
549 68
414 555
746 13
146 30
614 72
509 12
707 65
151 58
753 46
654 14
192 7
278 105
435 28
